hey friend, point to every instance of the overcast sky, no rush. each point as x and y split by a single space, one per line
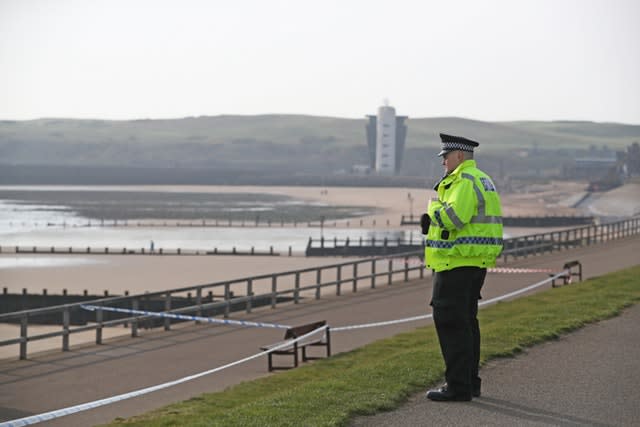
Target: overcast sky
487 59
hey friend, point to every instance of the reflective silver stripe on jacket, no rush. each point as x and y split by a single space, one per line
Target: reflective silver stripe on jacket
482 217
453 216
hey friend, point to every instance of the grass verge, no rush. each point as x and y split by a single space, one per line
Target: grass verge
382 375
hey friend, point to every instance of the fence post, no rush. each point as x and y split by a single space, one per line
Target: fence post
339 280
249 295
167 307
296 292
99 315
612 231
373 273
390 270
406 268
355 277
274 290
23 336
134 322
65 328
227 294
199 303
318 281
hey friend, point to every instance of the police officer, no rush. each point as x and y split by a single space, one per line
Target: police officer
463 225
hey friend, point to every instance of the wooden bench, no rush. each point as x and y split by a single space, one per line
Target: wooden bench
570 274
317 340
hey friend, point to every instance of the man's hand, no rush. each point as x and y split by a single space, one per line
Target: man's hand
425 222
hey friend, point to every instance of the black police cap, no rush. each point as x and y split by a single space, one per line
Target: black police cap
455 143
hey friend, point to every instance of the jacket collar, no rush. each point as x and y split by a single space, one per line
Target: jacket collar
462 166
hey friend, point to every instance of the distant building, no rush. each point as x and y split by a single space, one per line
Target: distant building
604 170
386 134
633 159
360 169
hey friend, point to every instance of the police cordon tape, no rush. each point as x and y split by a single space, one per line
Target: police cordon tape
185 317
514 270
34 419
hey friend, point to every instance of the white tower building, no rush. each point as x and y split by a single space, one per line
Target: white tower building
386 135
386 141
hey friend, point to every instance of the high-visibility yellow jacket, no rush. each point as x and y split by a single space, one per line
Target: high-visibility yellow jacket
466 221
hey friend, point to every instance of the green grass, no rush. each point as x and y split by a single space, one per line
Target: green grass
382 375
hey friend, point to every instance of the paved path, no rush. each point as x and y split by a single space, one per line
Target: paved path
587 378
52 381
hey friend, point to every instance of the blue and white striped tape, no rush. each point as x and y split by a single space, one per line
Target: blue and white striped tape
34 419
185 317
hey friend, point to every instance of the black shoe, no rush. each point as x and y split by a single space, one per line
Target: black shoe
475 392
443 394
475 387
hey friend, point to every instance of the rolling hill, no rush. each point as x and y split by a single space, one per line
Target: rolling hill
292 144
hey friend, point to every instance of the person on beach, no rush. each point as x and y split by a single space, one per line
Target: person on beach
463 227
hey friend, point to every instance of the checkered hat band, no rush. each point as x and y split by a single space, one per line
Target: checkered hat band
454 146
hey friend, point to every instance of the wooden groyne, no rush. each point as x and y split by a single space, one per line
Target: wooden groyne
11 302
213 223
361 247
88 250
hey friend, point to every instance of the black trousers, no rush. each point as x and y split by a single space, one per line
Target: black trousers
455 310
